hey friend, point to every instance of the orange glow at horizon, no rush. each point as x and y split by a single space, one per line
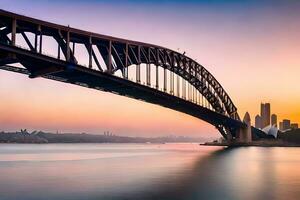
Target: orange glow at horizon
84 110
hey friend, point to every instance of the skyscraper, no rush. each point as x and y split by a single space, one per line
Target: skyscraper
262 114
258 122
265 112
274 120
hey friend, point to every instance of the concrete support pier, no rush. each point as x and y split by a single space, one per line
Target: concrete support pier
244 134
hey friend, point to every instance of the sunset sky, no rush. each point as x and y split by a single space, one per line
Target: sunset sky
251 47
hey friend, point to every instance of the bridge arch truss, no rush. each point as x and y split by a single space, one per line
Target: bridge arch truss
111 55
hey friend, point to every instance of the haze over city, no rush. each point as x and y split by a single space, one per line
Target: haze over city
251 49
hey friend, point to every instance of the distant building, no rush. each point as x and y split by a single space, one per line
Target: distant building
274 120
294 125
271 130
286 124
280 126
258 122
265 113
262 114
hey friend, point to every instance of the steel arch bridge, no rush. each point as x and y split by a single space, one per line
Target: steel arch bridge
186 85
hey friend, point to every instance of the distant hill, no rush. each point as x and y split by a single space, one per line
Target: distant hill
41 137
291 136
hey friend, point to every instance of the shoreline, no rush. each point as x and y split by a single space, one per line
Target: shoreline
252 144
43 137
92 143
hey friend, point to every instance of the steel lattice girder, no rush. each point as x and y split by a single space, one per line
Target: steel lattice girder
120 53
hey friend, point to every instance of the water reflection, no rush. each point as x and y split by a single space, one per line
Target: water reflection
131 171
241 173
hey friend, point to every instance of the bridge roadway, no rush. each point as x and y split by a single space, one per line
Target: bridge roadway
37 64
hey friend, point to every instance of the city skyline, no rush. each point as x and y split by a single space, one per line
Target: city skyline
28 99
267 118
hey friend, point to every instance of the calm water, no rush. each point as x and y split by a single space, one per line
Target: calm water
149 171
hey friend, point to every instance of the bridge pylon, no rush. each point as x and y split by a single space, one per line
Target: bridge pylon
244 134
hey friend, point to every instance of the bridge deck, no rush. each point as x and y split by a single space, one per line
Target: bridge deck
86 77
